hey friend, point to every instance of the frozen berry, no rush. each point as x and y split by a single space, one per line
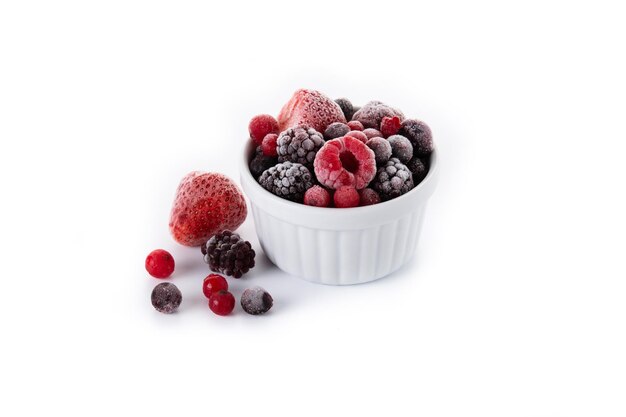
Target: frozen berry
401 148
261 162
205 203
159 263
372 133
310 108
346 196
389 125
358 134
260 126
346 107
222 303
336 130
317 196
420 136
419 170
299 144
355 125
213 283
393 180
166 298
368 197
268 146
373 112
345 161
256 300
287 180
228 253
381 148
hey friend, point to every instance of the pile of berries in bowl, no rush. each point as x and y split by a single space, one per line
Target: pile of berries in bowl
328 153
320 153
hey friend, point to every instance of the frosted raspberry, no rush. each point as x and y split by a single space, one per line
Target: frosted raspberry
317 196
355 125
420 136
268 146
373 112
357 134
381 148
346 196
336 130
390 125
401 148
346 107
261 125
368 197
310 108
372 133
345 161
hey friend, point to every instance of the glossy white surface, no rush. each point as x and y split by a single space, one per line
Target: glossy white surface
338 246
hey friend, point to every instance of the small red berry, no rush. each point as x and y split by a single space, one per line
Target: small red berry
268 146
358 135
317 196
213 283
159 263
260 126
355 125
222 303
346 197
390 126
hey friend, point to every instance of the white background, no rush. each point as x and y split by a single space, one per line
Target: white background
513 306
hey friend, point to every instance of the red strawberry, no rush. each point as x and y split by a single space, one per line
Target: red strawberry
205 203
310 108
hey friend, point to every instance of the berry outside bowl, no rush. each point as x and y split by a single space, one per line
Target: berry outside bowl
338 246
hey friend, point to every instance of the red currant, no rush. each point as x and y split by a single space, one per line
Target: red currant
222 303
214 283
159 263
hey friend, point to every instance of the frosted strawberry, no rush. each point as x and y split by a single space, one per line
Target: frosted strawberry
205 203
345 161
310 108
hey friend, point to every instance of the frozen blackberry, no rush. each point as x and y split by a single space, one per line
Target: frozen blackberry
256 300
401 148
166 298
336 130
419 170
227 253
299 144
261 162
381 148
287 180
393 180
420 136
346 107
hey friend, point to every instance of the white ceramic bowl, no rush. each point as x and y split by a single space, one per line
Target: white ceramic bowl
338 246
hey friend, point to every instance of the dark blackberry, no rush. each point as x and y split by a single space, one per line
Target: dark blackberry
299 144
256 300
346 107
166 298
260 162
336 130
418 168
393 180
227 253
420 136
287 180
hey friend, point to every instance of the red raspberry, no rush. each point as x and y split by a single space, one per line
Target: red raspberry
345 161
159 263
214 283
355 125
261 125
317 196
268 146
358 134
390 125
368 197
205 203
346 197
222 303
310 108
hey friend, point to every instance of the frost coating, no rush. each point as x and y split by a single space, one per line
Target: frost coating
373 112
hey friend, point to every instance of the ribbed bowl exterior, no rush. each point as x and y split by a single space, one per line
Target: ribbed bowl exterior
338 246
